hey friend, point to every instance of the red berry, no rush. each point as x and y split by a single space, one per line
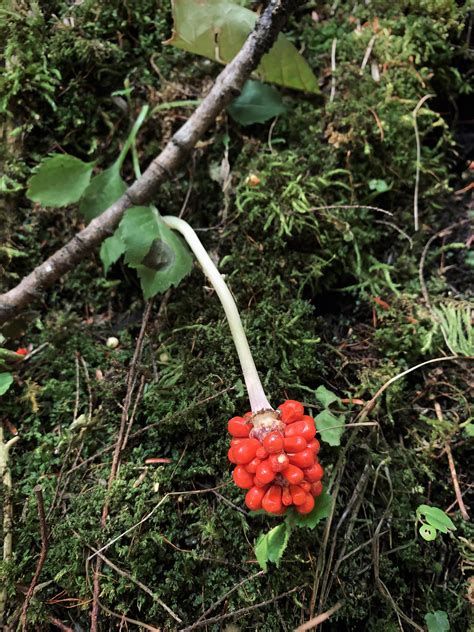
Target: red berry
302 459
297 494
272 500
235 442
294 444
262 453
316 488
286 498
314 473
264 473
305 485
242 478
314 446
248 415
22 351
278 462
291 411
245 450
254 497
307 506
293 474
273 442
230 455
305 428
252 466
238 427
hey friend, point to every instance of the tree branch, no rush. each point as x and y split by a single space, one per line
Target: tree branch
226 87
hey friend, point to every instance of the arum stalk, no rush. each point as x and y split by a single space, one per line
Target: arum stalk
256 394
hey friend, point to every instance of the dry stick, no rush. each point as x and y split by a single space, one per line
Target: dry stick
452 468
238 613
6 478
333 70
418 157
349 206
59 624
226 87
138 583
131 379
313 623
42 558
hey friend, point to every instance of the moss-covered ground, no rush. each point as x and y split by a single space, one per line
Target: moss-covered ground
330 291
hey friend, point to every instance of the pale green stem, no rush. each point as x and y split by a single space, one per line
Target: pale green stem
257 397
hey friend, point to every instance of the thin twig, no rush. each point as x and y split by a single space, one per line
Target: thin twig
398 229
367 53
333 70
59 624
131 379
42 558
141 585
418 157
315 621
351 206
239 613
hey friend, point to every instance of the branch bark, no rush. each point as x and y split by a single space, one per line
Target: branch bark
226 87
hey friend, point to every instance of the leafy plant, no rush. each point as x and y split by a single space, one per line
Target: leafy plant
433 520
455 320
256 104
437 621
330 426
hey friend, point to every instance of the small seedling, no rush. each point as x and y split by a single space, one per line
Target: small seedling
433 520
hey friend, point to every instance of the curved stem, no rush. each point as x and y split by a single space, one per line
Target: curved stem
257 397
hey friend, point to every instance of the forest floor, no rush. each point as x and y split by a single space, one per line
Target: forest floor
310 216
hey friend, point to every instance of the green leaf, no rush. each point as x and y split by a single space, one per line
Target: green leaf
104 189
437 621
59 180
380 186
112 249
330 427
6 380
154 250
469 429
322 509
325 396
436 518
217 29
271 546
257 103
427 532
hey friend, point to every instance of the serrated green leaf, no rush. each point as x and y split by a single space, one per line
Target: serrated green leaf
6 380
271 546
325 396
436 517
322 509
105 189
217 29
112 249
154 250
256 104
437 621
59 180
330 427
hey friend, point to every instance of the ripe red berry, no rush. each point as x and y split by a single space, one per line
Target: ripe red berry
314 446
302 459
245 450
230 455
316 488
293 474
278 462
252 466
307 506
264 473
22 351
254 497
272 500
286 498
297 494
305 428
273 442
242 478
262 453
238 427
294 444
291 410
305 485
314 473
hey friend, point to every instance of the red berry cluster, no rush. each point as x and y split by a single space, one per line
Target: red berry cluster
276 458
